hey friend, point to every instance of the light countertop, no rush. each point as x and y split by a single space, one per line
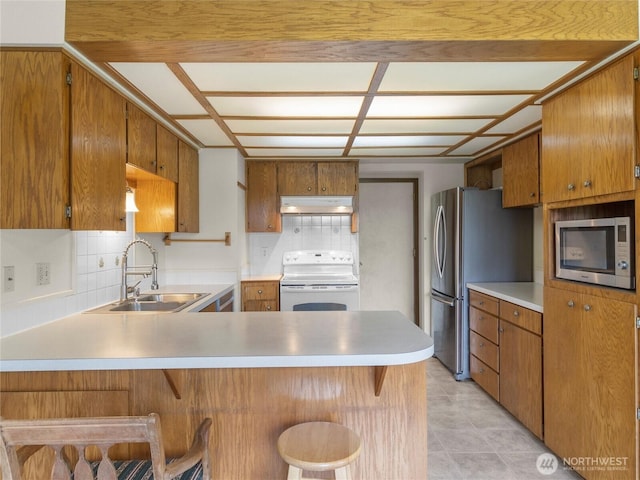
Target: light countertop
216 340
525 294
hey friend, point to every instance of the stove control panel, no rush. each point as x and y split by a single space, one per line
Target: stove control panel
318 257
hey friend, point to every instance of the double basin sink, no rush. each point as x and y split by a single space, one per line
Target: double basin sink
152 303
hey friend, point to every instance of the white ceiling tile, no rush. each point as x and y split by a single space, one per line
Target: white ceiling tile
476 145
443 105
281 77
413 125
522 119
332 126
321 106
207 131
159 83
292 141
407 140
398 152
473 76
294 152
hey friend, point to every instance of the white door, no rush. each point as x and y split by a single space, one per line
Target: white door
387 233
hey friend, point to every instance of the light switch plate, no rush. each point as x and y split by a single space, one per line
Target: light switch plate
9 279
43 273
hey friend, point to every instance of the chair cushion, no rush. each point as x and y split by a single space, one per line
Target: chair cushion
141 470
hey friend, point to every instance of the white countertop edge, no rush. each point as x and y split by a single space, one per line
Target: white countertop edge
217 362
505 292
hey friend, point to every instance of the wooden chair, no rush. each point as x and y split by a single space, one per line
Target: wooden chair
19 439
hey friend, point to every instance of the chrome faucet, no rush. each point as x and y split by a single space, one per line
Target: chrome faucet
152 270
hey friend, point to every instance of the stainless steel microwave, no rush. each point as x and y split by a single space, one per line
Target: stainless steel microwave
598 251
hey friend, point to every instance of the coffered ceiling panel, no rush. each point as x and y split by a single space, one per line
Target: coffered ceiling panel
279 126
276 106
281 77
207 131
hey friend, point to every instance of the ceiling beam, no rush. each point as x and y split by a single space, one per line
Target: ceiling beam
338 30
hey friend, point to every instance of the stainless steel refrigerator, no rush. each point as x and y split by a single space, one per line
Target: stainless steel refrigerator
474 240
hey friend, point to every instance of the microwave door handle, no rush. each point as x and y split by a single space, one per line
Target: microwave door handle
439 223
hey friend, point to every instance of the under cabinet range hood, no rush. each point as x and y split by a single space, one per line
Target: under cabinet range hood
316 205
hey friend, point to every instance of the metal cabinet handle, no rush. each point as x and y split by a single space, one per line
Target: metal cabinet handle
481 302
587 307
308 189
516 313
532 194
481 370
501 330
324 189
587 183
571 186
268 307
570 304
260 292
481 345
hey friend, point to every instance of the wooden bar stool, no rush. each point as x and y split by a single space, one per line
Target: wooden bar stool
319 447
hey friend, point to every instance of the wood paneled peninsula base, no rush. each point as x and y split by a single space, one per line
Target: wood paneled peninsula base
336 375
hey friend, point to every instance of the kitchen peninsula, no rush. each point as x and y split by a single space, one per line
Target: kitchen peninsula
254 373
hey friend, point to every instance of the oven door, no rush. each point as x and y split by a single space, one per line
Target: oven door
319 297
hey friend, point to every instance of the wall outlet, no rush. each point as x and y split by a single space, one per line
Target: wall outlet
43 273
9 279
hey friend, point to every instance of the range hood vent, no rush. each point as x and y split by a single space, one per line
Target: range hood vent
316 205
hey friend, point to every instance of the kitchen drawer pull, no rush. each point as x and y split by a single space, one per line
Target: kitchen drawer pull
570 304
587 307
501 330
587 183
481 370
516 313
268 307
481 345
260 291
481 302
571 186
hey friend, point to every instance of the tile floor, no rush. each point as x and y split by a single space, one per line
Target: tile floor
472 437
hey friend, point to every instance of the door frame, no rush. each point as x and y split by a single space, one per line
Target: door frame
416 238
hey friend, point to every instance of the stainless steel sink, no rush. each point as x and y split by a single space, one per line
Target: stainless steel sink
152 303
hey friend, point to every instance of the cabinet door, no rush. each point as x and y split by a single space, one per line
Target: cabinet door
589 136
297 178
589 379
34 158
98 154
263 214
166 154
521 173
521 375
141 139
337 178
188 189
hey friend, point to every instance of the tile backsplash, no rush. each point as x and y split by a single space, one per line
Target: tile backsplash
85 268
300 232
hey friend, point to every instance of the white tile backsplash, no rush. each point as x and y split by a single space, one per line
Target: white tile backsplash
300 232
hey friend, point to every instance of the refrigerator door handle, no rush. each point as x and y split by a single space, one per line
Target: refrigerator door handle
443 299
440 222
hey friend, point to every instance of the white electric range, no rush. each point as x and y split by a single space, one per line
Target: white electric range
319 280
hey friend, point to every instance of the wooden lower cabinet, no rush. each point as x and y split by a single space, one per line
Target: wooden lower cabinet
590 353
260 296
506 356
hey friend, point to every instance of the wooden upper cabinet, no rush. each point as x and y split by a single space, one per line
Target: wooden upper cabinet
297 178
141 139
188 189
34 158
521 172
337 178
588 136
263 213
166 154
98 153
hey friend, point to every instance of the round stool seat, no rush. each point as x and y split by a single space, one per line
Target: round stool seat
319 446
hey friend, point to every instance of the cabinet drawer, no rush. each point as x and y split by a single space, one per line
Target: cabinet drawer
260 290
485 350
260 306
484 302
484 376
522 317
484 324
